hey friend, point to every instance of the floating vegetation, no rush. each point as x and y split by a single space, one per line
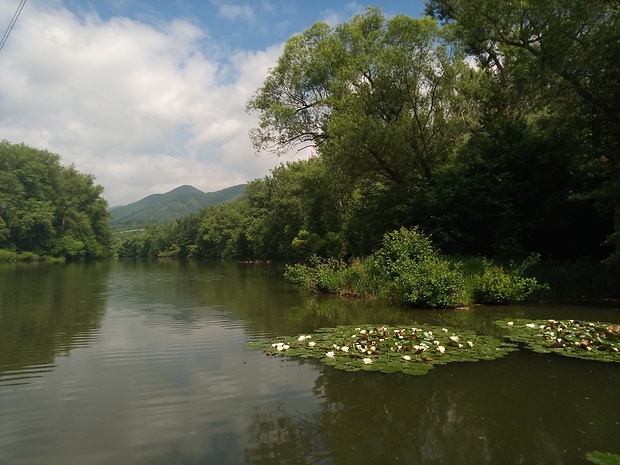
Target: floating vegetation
603 458
410 350
571 338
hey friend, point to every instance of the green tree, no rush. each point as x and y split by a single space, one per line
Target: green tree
376 97
561 59
47 208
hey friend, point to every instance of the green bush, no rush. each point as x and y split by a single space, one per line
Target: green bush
400 249
323 275
8 255
430 283
407 269
415 273
496 285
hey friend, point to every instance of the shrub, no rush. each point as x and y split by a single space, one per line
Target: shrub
496 285
407 270
324 275
430 283
415 273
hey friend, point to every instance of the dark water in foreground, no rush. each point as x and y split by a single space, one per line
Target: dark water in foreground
126 362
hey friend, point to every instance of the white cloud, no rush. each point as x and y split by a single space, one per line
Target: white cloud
333 17
233 11
144 108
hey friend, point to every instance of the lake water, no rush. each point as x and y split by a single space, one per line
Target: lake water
143 362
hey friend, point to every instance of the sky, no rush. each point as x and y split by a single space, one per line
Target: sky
150 95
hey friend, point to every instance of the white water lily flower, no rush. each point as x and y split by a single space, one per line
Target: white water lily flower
344 348
330 354
406 357
303 337
470 344
454 338
461 346
510 323
367 361
441 349
363 331
445 330
531 325
311 343
436 343
373 348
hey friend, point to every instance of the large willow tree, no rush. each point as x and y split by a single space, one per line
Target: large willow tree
378 98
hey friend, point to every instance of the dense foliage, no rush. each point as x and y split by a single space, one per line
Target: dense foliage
408 270
496 136
47 209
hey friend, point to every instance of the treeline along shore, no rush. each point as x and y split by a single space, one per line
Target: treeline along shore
490 129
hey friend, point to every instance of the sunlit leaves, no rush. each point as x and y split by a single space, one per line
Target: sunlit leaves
603 458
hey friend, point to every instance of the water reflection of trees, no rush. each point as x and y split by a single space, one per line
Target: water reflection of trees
468 414
368 418
276 436
46 310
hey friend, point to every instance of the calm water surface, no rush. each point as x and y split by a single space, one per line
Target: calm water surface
135 362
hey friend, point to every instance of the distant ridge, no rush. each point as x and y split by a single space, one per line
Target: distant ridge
160 208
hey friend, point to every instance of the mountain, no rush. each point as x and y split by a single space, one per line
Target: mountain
160 208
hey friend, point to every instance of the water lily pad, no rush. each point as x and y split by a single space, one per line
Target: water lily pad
410 350
603 458
571 338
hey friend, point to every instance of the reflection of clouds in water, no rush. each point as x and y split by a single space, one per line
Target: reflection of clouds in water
159 394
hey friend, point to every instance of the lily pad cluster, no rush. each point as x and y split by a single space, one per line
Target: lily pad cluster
571 338
410 350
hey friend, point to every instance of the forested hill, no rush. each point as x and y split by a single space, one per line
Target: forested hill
159 208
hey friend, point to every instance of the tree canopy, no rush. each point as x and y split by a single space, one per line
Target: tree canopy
559 61
491 126
50 209
380 99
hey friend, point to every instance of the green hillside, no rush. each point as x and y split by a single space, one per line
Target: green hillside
161 208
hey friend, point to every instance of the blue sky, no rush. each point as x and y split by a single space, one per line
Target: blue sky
251 25
150 95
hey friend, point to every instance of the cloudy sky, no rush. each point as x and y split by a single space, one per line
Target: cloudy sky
148 95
